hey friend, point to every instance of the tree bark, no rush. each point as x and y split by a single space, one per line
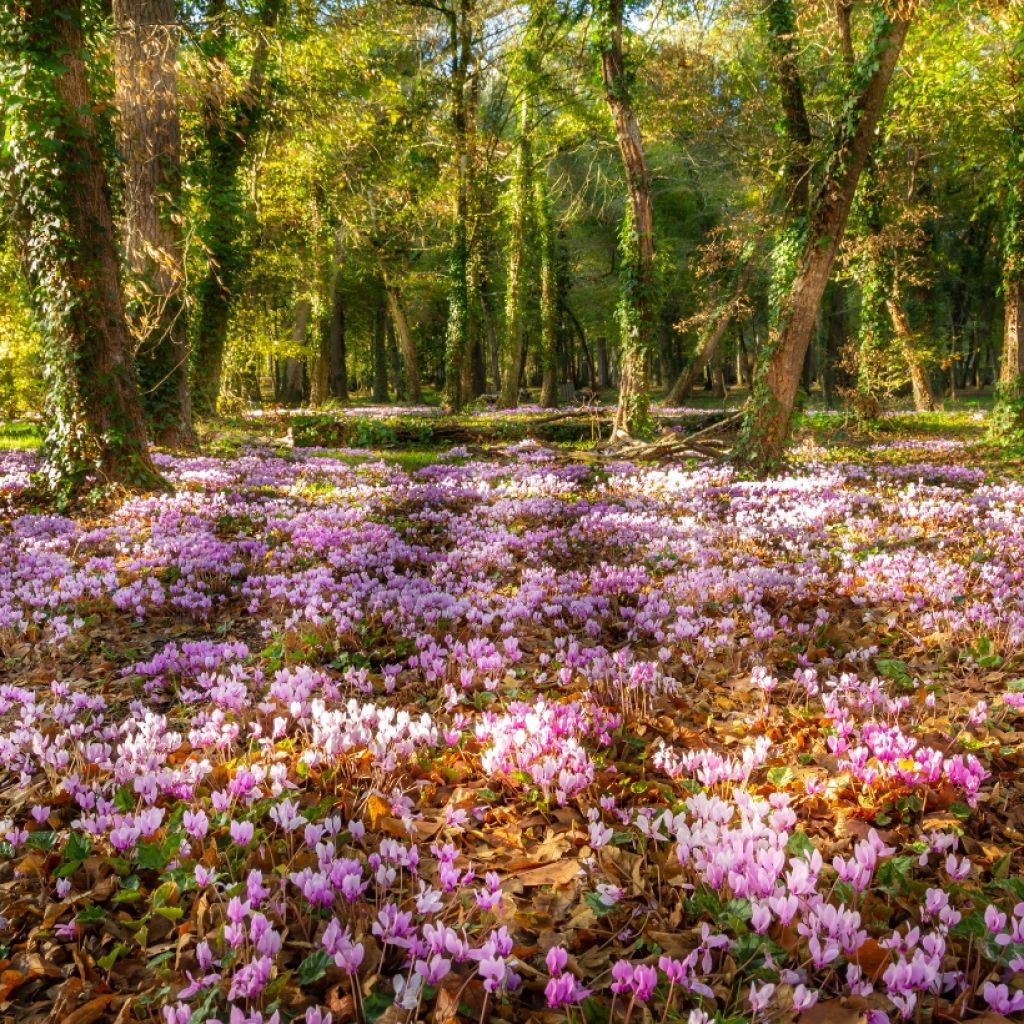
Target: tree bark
1011 371
457 331
782 44
769 412
336 325
637 304
924 397
146 93
380 353
414 390
228 134
293 390
515 303
59 202
548 293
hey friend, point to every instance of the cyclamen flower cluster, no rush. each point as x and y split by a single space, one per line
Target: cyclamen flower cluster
518 625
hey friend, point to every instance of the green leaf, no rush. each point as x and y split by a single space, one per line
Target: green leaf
151 856
780 776
91 915
593 900
42 840
313 968
78 847
108 961
800 845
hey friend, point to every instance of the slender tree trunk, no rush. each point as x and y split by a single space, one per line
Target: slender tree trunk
515 303
380 353
712 338
320 377
394 360
548 293
414 390
228 134
457 331
146 50
293 377
604 375
493 357
637 242
924 397
782 41
1011 372
768 415
56 193
336 323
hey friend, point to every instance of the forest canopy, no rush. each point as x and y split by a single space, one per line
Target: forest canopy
492 201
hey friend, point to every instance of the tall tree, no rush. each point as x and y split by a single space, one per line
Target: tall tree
146 51
549 304
56 189
636 304
770 408
1011 377
520 233
229 130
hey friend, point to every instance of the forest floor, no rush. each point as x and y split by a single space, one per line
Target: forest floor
399 731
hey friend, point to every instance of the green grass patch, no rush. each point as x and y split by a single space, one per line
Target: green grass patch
19 434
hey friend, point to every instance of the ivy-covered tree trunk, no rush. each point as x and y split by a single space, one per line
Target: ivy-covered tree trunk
1010 403
146 50
770 409
920 382
228 135
56 190
457 329
407 347
515 295
636 305
548 292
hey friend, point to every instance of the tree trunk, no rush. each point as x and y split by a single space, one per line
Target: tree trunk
548 293
718 388
1011 372
414 390
457 331
769 412
336 325
924 398
56 192
292 391
228 134
146 91
604 376
515 303
394 360
380 354
637 304
782 42
713 335
491 331
320 376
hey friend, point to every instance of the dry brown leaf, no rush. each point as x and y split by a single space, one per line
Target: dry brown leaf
90 1011
560 872
835 1011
